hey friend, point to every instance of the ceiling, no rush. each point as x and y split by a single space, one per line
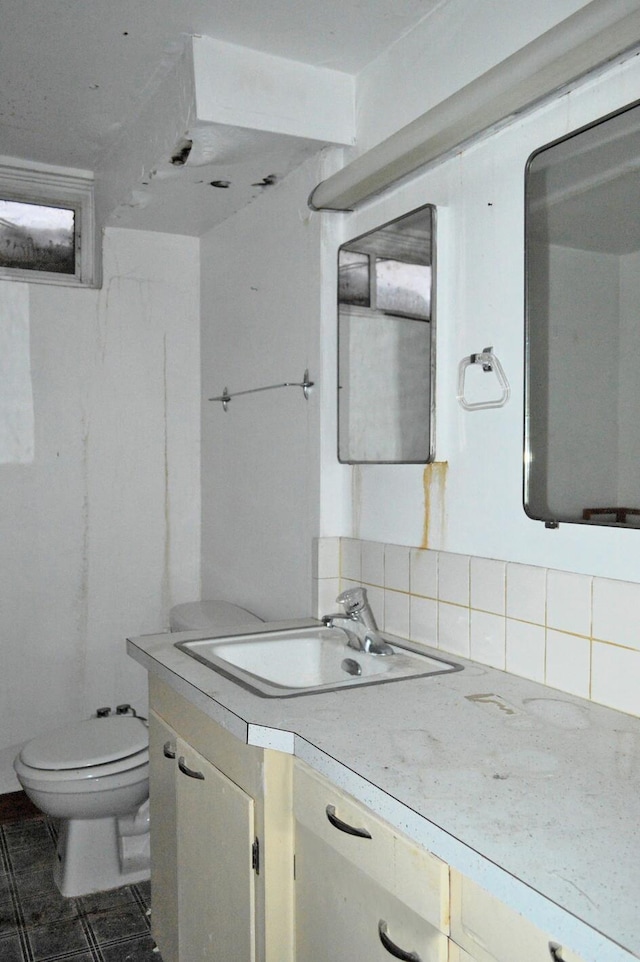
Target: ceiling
74 72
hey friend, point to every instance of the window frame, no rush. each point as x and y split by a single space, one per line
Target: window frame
26 183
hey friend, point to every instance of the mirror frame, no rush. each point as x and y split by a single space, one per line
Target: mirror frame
432 327
547 519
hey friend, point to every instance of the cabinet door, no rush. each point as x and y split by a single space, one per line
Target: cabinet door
215 874
340 910
162 813
490 931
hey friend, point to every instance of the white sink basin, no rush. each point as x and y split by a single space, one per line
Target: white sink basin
297 661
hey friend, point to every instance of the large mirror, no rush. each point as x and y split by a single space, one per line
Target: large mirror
582 424
386 343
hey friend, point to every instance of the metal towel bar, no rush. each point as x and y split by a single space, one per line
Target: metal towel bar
305 384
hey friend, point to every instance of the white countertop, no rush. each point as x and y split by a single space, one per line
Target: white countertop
533 793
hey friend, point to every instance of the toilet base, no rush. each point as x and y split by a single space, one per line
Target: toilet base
92 857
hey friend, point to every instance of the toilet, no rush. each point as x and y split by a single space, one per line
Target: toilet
93 776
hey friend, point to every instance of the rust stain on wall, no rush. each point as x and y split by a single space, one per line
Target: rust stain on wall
434 481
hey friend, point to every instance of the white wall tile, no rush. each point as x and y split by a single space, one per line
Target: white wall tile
351 559
568 663
569 602
525 649
326 558
373 563
615 677
326 592
456 603
396 613
423 615
424 572
453 578
453 629
488 588
375 597
396 567
616 612
527 593
487 638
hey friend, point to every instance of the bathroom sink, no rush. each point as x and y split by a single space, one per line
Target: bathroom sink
284 662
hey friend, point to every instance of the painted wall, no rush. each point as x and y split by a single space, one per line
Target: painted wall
100 521
473 503
261 304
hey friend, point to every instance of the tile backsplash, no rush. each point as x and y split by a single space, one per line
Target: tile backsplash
576 633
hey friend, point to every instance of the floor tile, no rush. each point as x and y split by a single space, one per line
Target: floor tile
138 950
47 909
47 941
30 884
112 926
10 950
109 926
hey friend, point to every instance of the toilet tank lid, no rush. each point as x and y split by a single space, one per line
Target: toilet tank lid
202 615
94 741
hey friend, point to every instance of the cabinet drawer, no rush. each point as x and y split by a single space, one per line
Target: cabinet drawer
403 868
492 932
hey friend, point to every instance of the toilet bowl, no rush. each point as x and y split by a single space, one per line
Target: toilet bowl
94 777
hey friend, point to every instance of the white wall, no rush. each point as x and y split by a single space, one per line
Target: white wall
473 504
100 530
261 304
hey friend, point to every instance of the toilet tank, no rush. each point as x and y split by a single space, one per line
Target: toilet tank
208 615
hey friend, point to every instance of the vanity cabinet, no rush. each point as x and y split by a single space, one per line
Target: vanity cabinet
221 856
362 890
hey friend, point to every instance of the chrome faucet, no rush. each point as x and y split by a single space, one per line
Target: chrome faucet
359 623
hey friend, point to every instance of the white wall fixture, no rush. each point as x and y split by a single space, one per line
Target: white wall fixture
591 37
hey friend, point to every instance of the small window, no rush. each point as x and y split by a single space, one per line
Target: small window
47 232
37 237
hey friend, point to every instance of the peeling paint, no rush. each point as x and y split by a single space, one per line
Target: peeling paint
434 482
267 181
181 153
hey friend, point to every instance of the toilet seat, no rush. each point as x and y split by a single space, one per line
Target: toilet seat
78 775
88 749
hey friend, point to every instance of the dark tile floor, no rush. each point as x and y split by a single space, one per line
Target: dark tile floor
38 924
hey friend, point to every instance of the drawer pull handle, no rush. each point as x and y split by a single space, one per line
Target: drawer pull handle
167 750
188 771
343 826
394 949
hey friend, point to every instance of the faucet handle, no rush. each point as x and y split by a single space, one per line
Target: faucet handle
353 599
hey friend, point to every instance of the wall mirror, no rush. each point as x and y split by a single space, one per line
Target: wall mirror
386 343
582 429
